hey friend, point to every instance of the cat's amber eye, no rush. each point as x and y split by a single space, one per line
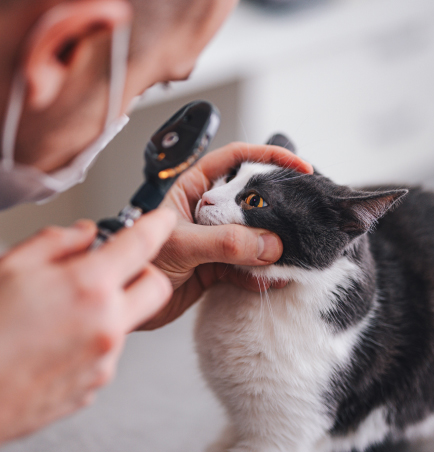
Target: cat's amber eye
254 200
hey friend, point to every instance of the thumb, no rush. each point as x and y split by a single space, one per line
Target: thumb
55 242
229 244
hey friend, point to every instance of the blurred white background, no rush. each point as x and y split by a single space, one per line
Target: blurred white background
350 81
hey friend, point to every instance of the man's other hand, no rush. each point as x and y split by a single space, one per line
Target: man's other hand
197 256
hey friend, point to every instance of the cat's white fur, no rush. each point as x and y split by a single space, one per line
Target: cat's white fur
270 357
222 208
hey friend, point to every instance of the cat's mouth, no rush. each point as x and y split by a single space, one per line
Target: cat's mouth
214 215
209 218
207 215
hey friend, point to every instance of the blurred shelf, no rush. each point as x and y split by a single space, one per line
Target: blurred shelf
256 41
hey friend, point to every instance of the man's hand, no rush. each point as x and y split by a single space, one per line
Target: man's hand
197 256
64 314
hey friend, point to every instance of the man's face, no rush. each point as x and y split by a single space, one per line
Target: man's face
174 55
47 142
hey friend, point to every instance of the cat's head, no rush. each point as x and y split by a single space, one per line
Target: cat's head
316 219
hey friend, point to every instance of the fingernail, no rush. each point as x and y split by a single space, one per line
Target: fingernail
309 168
268 248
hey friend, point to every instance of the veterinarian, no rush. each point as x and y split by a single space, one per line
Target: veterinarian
69 71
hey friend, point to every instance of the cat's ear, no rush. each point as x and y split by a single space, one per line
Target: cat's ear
359 213
284 142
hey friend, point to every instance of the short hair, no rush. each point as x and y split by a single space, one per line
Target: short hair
150 16
153 16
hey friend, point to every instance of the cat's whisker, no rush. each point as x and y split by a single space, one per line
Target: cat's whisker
264 296
268 301
178 202
262 316
205 187
196 191
261 308
288 179
179 205
248 150
243 129
225 271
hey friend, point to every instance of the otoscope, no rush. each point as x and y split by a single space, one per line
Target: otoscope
177 145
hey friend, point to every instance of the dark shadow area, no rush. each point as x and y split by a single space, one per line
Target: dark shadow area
390 447
285 6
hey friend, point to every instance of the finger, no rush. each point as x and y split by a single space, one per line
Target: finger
76 401
251 283
245 280
219 162
280 284
103 371
130 251
146 296
55 242
230 244
209 274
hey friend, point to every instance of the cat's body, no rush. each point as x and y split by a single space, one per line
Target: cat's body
342 358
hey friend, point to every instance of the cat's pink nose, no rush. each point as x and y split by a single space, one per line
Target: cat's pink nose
206 201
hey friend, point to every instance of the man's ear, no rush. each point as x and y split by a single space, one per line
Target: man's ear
360 213
60 40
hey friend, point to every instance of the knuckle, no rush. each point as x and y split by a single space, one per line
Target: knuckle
87 400
106 341
10 266
52 233
237 144
142 236
163 283
104 373
232 244
90 291
96 295
103 377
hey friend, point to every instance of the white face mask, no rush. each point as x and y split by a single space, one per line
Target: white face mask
23 183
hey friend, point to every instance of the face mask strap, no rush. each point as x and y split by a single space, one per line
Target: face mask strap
114 120
118 71
12 121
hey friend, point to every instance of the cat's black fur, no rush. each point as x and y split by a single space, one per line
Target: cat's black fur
393 365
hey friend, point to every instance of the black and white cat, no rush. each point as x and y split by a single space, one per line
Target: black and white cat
342 358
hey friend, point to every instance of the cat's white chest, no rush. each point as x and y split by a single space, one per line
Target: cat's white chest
269 358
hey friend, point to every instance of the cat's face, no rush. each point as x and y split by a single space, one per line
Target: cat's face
316 219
